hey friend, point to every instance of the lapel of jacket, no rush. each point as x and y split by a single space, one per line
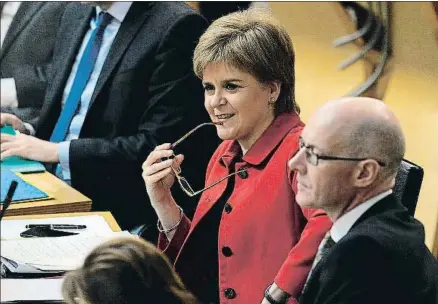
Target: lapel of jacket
211 196
22 18
74 28
208 199
387 203
127 31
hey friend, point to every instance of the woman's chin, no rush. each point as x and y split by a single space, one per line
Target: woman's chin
225 134
303 200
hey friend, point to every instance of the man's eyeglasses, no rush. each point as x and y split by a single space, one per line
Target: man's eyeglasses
313 158
184 184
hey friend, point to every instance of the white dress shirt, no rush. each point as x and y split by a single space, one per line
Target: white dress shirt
7 15
343 224
118 11
8 94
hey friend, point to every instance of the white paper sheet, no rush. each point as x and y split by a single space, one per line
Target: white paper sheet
61 253
30 289
96 225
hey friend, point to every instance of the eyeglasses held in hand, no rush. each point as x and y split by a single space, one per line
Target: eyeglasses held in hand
184 184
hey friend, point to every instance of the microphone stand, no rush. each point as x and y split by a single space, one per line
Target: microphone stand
8 198
5 205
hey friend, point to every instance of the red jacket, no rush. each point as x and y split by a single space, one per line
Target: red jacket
270 236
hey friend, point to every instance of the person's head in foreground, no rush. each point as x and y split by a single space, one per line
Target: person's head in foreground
365 133
246 63
125 270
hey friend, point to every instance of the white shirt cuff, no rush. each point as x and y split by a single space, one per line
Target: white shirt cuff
8 93
29 128
64 159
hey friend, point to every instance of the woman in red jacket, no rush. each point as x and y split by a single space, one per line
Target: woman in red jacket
249 241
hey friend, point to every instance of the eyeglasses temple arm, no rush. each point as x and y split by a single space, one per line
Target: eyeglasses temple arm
217 182
191 132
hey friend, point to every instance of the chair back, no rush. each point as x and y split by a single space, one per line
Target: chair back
407 184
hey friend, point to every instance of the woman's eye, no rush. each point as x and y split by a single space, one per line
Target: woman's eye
208 88
231 86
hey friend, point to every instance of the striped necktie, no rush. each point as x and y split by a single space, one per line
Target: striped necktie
323 249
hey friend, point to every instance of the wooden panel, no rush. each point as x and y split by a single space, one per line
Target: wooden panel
414 35
313 26
413 96
66 199
193 4
412 79
106 214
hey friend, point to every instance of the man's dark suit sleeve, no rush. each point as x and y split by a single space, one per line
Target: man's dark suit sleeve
28 57
170 96
357 274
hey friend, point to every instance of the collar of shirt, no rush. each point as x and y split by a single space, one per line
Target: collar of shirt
341 227
8 13
10 8
272 136
118 10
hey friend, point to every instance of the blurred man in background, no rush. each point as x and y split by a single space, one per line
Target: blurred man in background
122 82
28 33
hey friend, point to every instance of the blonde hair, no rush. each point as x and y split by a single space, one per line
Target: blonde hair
125 270
254 42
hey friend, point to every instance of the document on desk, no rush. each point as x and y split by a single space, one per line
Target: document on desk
31 289
61 253
24 192
96 225
17 163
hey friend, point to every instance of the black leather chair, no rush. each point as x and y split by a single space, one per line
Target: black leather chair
407 184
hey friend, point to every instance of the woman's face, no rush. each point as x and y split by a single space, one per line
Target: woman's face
239 102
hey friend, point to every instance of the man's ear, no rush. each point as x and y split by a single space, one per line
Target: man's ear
366 173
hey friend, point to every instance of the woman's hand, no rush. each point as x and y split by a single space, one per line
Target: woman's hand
159 176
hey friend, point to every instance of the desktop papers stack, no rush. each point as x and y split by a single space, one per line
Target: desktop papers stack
24 192
51 255
31 290
40 257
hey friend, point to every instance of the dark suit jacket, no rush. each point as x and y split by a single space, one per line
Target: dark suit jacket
381 260
146 95
27 52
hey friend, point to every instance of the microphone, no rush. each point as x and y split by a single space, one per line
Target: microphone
8 198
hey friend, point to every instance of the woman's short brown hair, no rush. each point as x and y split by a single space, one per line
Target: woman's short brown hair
125 270
254 42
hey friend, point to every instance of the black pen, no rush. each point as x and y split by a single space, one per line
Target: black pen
57 226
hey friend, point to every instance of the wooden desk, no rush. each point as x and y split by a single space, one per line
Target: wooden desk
106 214
64 198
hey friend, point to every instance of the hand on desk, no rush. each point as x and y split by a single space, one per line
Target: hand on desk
29 147
14 121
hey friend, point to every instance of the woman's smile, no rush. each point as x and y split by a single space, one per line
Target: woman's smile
223 118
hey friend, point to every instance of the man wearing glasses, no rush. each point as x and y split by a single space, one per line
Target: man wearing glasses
349 155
